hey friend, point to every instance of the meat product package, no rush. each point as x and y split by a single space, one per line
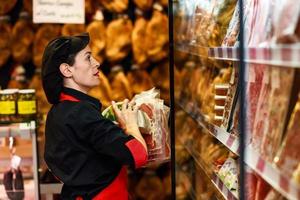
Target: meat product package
138 42
103 91
153 118
45 33
250 185
143 4
5 40
6 6
22 39
157 36
96 29
254 80
233 29
261 29
281 80
115 5
286 21
139 80
222 14
262 189
261 113
288 157
119 84
229 174
118 39
231 99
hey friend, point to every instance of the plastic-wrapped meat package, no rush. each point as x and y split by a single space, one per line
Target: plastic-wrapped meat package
231 95
153 118
261 24
222 14
233 29
281 83
261 113
262 189
251 183
288 157
286 23
254 85
250 19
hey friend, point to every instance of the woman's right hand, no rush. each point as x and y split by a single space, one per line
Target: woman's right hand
127 116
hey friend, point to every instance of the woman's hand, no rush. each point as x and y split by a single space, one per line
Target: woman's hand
127 116
127 119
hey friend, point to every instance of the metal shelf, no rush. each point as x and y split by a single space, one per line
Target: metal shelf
216 182
24 129
227 139
271 174
280 55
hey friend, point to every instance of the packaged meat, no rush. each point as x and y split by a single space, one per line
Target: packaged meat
22 39
286 21
139 79
251 183
117 6
231 100
153 124
221 15
118 39
262 189
138 42
254 79
96 30
229 174
281 84
233 29
261 113
261 29
157 36
288 157
5 40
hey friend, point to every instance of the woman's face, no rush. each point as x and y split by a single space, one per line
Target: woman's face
85 70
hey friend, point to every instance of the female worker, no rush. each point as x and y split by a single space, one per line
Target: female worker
87 152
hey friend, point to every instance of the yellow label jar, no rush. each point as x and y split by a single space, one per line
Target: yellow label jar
8 98
27 104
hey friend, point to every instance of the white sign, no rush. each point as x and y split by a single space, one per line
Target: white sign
58 11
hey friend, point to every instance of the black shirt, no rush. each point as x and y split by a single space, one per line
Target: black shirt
83 149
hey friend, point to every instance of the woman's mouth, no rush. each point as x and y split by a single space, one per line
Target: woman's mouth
96 74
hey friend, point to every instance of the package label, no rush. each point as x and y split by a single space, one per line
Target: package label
7 107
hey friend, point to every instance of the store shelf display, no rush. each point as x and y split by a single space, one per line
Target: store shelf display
272 55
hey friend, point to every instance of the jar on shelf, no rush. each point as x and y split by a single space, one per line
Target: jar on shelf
27 104
8 111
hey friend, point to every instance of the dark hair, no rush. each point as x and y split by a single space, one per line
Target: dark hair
70 60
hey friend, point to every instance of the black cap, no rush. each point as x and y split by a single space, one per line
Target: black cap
56 52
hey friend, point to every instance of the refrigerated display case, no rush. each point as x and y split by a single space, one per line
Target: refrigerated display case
222 65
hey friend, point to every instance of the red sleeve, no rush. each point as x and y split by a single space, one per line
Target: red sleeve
138 152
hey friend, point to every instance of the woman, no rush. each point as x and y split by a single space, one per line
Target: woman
87 152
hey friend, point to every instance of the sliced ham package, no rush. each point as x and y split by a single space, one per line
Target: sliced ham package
153 124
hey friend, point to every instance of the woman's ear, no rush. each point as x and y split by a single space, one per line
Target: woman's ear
65 70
